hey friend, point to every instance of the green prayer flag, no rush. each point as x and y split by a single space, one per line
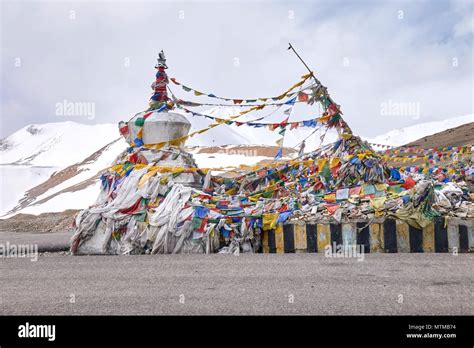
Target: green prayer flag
196 222
326 172
139 122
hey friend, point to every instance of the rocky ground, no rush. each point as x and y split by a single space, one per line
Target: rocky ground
43 223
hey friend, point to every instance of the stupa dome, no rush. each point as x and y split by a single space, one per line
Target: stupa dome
158 126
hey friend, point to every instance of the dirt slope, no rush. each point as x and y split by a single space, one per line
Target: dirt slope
457 136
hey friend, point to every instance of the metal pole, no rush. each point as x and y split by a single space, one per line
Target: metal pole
302 61
290 47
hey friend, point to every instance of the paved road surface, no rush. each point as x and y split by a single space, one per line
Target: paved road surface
46 242
245 284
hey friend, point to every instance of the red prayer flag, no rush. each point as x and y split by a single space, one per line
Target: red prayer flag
332 109
133 157
284 122
202 227
332 208
409 183
124 130
355 191
302 97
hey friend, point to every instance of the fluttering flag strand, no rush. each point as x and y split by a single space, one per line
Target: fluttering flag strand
241 100
177 141
312 123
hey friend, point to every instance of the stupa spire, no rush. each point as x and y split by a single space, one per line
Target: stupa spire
160 96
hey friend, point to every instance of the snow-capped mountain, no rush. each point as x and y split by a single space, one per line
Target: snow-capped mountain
402 136
55 166
55 144
36 153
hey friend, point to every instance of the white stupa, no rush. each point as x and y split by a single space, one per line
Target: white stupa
159 125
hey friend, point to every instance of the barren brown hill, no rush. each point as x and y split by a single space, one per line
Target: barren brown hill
43 223
457 136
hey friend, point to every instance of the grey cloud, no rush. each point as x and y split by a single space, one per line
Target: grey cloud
82 59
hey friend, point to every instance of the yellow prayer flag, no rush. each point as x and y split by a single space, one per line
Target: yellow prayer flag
335 162
269 221
147 176
378 202
321 163
330 197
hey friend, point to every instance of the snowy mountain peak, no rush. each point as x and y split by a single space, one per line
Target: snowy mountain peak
55 144
402 136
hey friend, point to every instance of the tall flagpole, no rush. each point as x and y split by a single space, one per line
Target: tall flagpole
318 83
302 61
310 71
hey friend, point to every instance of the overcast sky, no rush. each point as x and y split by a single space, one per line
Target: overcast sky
370 54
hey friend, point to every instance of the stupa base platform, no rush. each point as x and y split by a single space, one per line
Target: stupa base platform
380 236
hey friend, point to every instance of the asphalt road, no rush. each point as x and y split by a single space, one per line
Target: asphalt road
46 242
246 284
